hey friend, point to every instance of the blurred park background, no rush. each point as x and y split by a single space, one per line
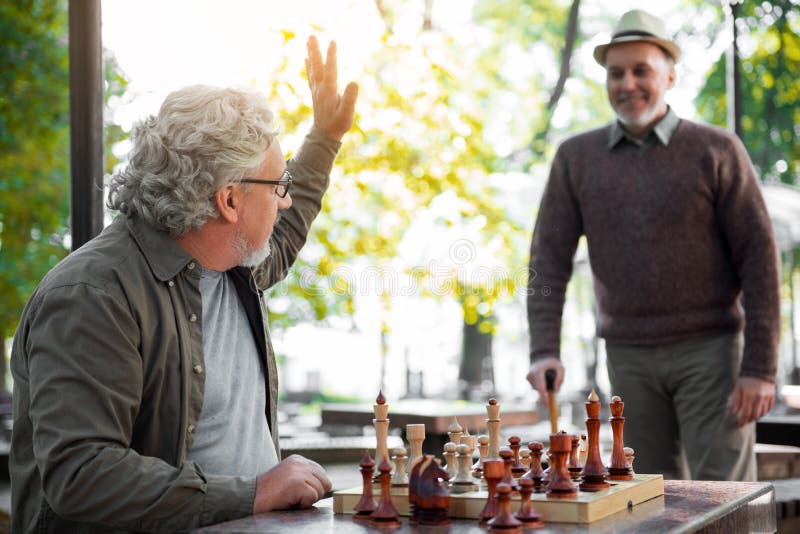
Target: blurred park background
414 276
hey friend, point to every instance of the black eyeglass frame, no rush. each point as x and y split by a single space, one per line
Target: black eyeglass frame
285 181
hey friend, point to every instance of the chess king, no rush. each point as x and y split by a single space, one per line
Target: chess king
684 263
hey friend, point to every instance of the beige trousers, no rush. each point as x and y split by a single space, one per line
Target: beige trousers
677 416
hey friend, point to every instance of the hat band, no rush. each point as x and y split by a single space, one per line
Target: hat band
633 32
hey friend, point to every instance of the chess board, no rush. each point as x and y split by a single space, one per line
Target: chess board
585 508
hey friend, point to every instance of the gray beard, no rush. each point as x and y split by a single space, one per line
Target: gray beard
248 257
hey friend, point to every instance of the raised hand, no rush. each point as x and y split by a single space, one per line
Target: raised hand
333 113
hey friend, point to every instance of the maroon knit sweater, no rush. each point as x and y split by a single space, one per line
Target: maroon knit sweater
676 235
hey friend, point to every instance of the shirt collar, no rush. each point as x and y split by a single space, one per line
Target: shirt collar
163 253
662 131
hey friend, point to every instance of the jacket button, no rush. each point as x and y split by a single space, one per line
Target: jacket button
190 266
171 283
190 429
198 369
192 318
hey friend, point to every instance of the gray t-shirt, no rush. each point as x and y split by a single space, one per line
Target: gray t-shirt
232 436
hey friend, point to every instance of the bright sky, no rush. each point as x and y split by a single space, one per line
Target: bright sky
162 45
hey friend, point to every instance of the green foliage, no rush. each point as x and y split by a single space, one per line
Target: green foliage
769 40
34 147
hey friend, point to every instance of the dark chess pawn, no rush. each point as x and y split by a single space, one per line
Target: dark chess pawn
574 465
492 472
517 468
385 515
507 455
366 505
535 473
526 513
504 522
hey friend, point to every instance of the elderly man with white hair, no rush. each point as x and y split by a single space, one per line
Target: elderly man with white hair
145 383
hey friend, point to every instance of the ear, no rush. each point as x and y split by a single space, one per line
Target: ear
671 76
227 200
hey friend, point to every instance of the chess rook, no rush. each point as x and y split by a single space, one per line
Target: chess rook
560 484
415 434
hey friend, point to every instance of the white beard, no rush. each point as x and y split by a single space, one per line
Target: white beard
247 256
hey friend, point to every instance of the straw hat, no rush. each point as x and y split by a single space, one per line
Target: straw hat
638 25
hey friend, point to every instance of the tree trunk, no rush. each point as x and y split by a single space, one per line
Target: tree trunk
475 373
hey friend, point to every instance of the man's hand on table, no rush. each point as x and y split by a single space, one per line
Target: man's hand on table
296 482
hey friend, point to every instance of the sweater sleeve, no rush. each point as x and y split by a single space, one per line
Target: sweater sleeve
743 217
558 227
310 169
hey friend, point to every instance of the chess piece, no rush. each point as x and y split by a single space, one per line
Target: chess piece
593 471
525 459
618 468
428 498
560 484
536 472
629 458
517 469
574 465
469 440
526 513
507 455
463 481
415 434
492 472
493 425
503 521
454 431
366 505
385 515
381 424
400 477
584 450
483 451
450 458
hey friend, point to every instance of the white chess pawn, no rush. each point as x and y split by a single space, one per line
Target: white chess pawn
463 481
400 477
450 459
629 458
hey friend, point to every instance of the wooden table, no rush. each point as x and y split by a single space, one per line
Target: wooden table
436 415
686 506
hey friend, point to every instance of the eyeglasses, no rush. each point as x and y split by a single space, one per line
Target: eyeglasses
282 185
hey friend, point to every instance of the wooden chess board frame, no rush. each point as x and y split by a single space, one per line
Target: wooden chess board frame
585 508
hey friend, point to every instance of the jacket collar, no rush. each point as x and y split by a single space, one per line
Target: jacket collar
164 255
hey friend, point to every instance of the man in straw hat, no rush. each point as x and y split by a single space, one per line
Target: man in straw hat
677 233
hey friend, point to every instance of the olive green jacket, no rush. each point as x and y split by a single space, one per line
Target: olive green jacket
109 374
